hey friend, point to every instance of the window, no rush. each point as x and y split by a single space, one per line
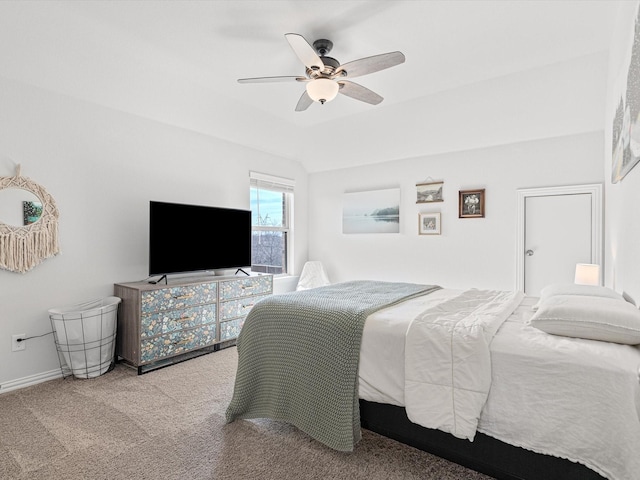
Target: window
271 229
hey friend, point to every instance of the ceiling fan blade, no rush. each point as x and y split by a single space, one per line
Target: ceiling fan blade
368 65
304 102
304 51
271 79
359 92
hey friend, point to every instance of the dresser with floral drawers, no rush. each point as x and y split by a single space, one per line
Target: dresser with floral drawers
159 325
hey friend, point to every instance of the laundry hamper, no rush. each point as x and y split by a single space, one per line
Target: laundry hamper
85 336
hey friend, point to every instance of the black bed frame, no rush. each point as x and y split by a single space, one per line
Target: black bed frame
485 454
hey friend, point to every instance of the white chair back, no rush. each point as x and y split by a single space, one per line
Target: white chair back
313 275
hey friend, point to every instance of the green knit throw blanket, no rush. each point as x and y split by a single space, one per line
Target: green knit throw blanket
298 356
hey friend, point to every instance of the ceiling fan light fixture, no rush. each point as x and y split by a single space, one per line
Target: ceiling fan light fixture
322 90
326 77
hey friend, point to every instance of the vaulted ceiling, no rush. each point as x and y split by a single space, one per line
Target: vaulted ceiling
178 61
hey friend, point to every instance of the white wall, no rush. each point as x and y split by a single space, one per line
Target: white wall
471 252
622 244
102 167
539 128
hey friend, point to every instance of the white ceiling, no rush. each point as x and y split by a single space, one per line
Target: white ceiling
178 61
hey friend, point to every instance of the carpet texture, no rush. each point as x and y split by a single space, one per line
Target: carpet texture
169 424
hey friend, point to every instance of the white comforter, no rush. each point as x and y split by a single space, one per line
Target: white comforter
566 397
447 360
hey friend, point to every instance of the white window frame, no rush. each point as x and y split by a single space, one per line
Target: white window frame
264 181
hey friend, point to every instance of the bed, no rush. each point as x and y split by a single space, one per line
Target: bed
463 374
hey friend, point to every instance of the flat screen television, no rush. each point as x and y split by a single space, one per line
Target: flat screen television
192 238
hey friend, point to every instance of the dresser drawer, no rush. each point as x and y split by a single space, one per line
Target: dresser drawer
177 342
168 321
231 329
245 287
178 297
238 308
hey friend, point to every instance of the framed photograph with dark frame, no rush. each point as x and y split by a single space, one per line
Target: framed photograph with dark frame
429 192
429 223
471 203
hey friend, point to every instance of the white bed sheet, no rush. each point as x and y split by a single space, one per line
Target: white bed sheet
566 397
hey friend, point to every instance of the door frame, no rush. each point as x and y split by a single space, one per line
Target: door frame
595 190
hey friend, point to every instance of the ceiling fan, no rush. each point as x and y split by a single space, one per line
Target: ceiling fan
325 77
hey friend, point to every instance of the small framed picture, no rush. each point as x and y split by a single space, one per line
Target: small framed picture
471 203
429 192
429 223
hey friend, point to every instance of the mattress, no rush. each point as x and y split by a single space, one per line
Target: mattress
566 397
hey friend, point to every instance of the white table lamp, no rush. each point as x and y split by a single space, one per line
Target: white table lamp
587 274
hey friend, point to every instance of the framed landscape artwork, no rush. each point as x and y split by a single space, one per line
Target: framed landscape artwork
625 152
429 192
376 211
471 203
429 223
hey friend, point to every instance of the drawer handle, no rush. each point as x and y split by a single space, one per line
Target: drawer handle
186 319
182 297
181 342
250 287
248 306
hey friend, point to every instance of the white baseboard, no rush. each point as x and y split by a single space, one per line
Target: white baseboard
30 380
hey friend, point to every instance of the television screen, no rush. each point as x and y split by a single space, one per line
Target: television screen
190 238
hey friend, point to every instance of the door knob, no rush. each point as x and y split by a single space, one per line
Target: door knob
529 253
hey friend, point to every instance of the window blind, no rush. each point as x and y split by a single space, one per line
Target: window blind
270 182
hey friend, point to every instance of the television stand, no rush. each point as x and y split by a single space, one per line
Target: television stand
166 281
241 270
159 325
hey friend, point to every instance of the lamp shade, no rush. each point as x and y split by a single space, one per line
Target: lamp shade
587 274
322 90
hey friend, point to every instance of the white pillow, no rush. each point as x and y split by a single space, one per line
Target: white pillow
595 318
574 289
628 298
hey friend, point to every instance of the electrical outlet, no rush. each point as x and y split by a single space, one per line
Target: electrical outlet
16 346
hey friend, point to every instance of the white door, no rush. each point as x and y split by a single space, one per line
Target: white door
557 236
558 227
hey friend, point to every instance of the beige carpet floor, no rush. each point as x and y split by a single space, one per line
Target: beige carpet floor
169 424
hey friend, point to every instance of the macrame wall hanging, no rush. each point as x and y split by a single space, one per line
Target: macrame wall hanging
24 247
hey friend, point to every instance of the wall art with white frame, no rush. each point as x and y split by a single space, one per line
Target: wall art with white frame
429 223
